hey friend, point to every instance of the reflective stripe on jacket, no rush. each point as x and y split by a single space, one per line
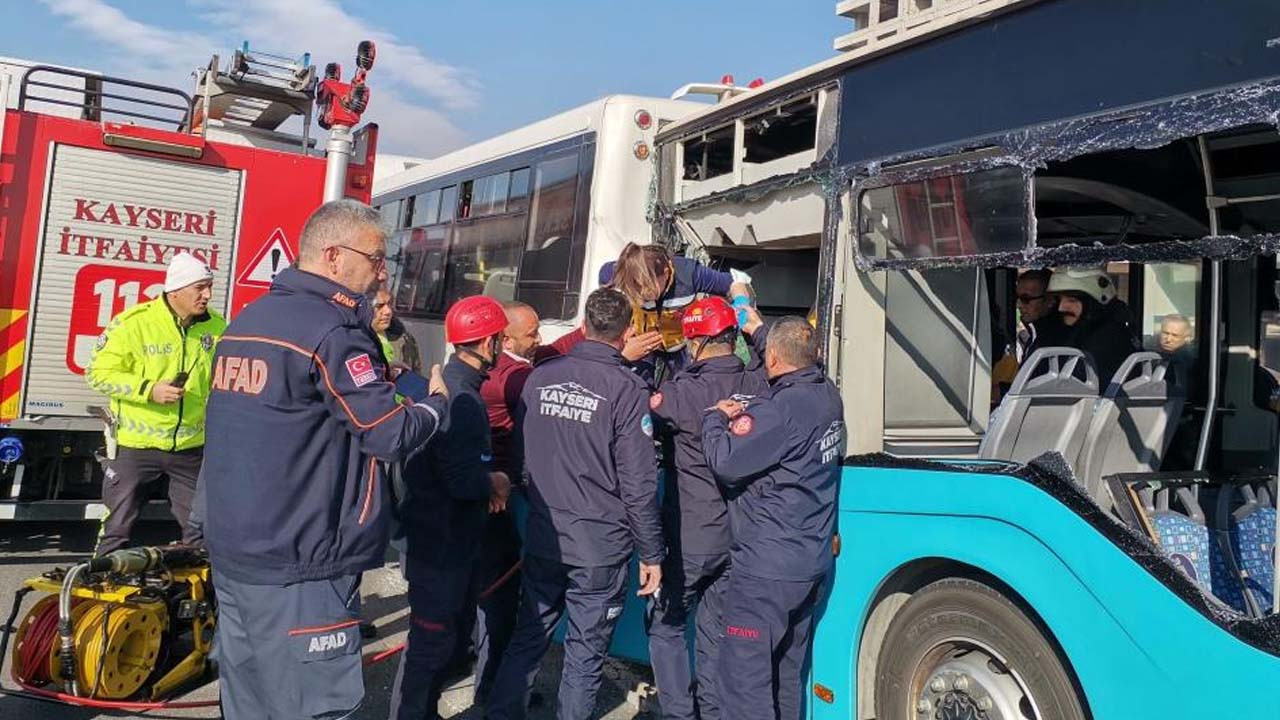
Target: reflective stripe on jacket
145 345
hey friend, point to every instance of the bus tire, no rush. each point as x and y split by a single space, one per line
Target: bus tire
959 648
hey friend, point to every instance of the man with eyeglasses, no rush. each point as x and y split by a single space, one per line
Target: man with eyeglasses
302 424
1037 312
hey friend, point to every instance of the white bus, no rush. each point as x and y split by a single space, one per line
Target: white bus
530 215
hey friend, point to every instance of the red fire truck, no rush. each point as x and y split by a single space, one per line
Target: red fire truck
102 181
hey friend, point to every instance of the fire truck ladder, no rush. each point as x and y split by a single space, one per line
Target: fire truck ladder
255 94
949 242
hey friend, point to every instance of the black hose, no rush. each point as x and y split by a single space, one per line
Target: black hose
8 624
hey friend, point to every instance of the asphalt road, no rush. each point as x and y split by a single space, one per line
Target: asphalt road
28 549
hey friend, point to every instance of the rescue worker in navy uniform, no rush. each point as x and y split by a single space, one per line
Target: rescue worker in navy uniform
778 458
452 488
694 515
301 420
592 490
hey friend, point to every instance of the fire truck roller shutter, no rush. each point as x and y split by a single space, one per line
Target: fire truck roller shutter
112 222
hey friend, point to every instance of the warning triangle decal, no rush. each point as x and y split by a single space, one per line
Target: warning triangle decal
271 259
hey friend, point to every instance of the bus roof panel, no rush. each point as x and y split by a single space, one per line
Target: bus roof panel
582 119
1050 61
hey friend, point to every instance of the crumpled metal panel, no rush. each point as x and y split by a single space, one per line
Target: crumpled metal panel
1051 473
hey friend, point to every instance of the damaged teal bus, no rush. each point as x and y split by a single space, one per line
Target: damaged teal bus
1052 544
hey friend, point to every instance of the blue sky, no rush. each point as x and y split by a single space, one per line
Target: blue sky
449 72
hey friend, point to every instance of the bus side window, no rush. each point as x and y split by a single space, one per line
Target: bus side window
545 267
937 361
448 203
422 271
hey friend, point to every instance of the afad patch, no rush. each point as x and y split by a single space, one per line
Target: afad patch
646 425
741 425
344 300
655 401
361 370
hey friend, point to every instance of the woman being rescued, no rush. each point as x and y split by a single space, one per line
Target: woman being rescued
660 286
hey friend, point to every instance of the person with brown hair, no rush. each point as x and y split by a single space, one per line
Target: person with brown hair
660 286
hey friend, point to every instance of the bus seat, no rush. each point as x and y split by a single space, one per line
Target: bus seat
1132 423
501 285
1047 408
1228 581
1253 536
1183 536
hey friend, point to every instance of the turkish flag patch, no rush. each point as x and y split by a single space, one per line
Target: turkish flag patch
361 370
655 401
741 425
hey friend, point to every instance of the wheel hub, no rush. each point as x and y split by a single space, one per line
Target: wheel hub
960 680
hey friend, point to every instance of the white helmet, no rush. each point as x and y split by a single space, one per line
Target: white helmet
1086 281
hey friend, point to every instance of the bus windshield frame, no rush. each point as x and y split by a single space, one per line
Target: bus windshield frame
1032 149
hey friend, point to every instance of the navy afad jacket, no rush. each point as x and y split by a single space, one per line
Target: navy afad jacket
779 463
589 460
300 420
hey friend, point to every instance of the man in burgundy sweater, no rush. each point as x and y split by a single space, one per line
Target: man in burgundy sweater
496 613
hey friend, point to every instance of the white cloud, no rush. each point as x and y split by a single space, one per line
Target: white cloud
129 36
410 92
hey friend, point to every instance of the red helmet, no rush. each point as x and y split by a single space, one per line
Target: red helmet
708 317
474 318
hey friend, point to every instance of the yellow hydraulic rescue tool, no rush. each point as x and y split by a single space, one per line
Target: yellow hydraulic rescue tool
117 627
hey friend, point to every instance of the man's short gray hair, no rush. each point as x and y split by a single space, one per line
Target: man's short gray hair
334 223
513 307
794 341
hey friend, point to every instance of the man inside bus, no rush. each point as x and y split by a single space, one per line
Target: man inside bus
1173 342
1095 321
1037 312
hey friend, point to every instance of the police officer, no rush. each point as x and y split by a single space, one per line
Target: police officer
589 459
452 487
153 362
778 458
694 516
302 422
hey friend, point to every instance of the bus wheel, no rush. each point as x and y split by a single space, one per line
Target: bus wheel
959 649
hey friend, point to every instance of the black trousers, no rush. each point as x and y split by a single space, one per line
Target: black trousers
688 582
128 483
593 598
767 626
496 612
439 598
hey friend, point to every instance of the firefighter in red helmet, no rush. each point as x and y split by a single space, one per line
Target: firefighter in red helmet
694 514
451 488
